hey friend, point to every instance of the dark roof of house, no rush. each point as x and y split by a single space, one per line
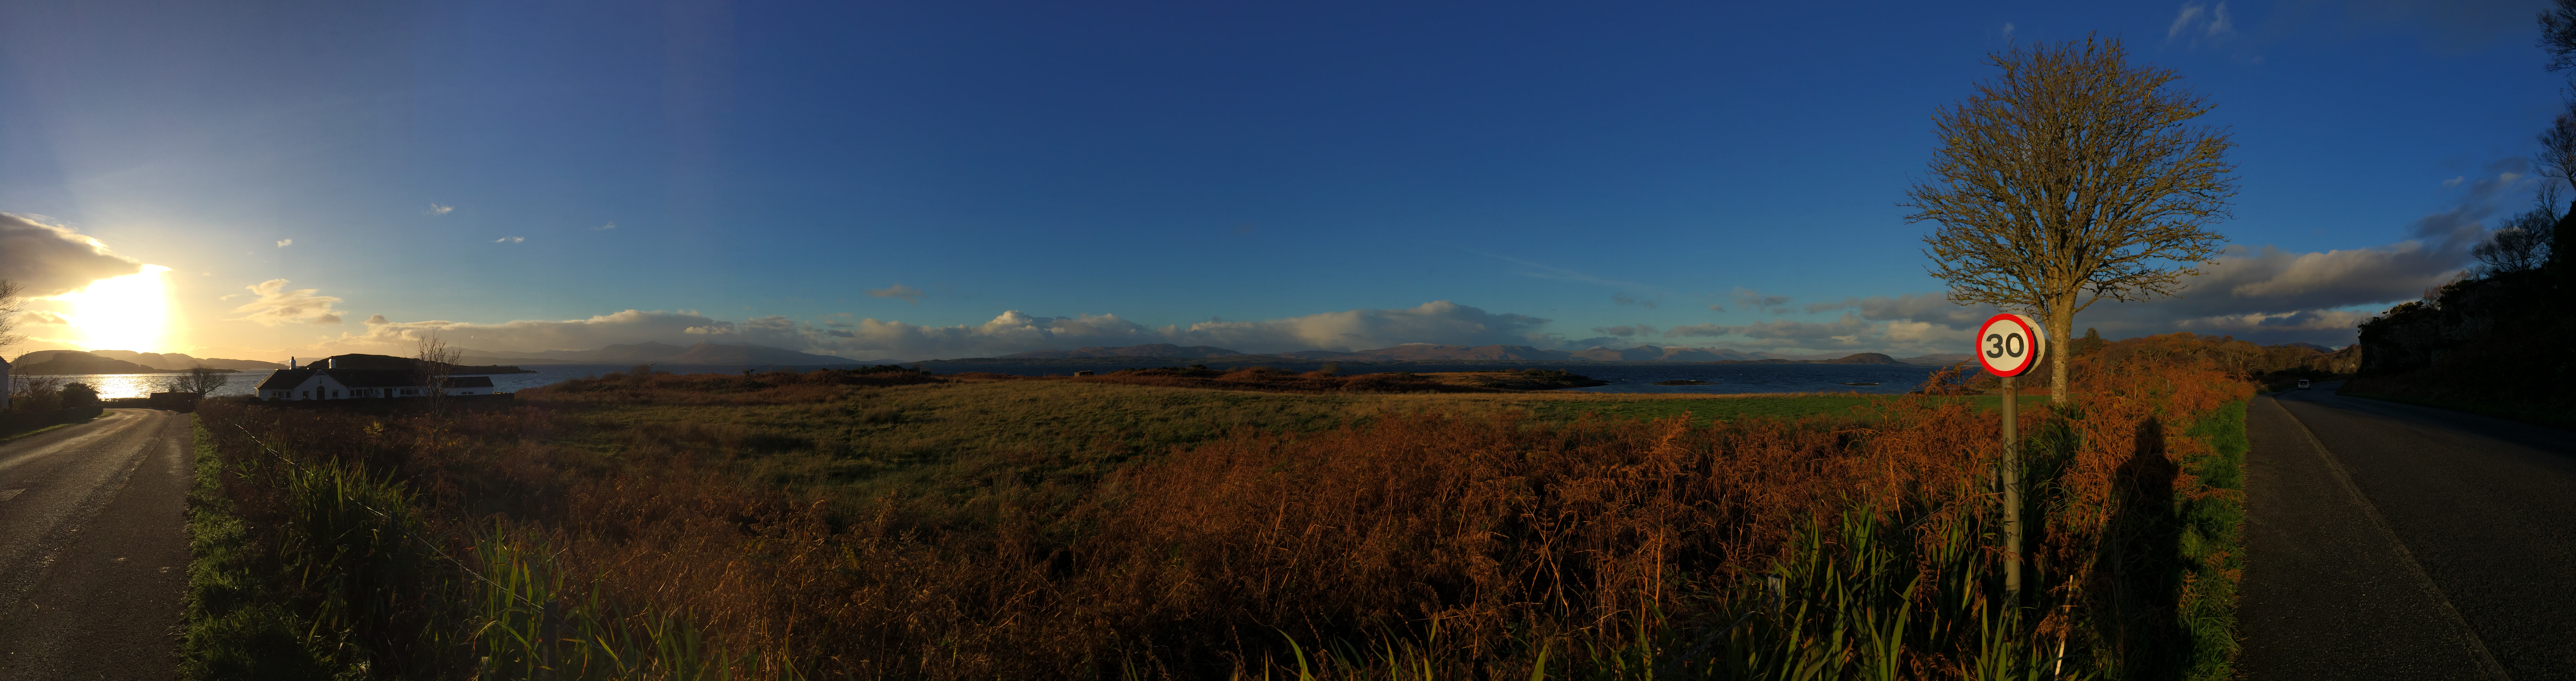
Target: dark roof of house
375 378
283 379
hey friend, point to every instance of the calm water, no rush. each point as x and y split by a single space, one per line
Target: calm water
1623 378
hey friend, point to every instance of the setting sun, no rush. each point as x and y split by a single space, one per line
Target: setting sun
122 313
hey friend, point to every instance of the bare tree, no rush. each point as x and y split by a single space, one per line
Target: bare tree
2069 178
202 380
10 306
2523 243
2558 34
2558 146
435 361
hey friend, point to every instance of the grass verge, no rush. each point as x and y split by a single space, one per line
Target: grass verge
229 633
14 437
2212 543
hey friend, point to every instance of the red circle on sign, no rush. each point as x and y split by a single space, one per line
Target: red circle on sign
2008 345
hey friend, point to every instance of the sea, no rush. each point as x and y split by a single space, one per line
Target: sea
1622 378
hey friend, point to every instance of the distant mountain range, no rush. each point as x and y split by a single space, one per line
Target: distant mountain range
1434 352
1146 350
75 362
662 353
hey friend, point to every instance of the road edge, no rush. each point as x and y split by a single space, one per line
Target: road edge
2423 580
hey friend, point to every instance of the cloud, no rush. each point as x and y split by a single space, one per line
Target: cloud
384 336
38 317
1851 332
2008 30
1754 299
510 240
276 305
1624 330
2197 20
1011 331
2190 13
898 291
282 243
47 260
1624 300
435 209
1928 307
605 227
1717 308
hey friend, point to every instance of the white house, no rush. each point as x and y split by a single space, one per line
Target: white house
349 384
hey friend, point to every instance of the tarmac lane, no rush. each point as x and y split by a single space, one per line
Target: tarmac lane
2393 541
94 548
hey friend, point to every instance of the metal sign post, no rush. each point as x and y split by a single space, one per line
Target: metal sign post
2009 345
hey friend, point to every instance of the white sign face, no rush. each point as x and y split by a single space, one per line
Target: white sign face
2008 344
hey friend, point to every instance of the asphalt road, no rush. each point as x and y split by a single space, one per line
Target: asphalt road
94 548
2392 541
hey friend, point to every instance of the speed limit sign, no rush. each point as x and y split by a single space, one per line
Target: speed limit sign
2009 344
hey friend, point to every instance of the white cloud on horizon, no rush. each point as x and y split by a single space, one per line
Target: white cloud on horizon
275 305
48 259
436 209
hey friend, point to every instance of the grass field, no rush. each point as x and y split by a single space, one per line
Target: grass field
903 526
944 446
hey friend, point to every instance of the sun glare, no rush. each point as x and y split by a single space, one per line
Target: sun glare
122 313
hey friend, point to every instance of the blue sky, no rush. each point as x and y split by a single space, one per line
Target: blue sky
1283 176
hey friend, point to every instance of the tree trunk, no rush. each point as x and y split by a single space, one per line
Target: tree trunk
2061 341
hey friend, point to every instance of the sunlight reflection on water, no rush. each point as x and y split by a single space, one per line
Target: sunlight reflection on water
113 386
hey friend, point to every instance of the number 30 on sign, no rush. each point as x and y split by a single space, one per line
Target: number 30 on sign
2009 344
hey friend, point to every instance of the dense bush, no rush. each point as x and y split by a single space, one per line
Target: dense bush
2494 341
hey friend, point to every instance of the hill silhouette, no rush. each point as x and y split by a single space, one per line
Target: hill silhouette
1146 350
74 363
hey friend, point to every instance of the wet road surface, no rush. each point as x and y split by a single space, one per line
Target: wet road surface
94 548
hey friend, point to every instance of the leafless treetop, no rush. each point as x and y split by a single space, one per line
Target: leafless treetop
2071 172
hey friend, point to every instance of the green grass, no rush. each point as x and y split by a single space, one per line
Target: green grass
2212 544
232 631
32 433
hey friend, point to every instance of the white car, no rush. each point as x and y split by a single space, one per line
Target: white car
2303 384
